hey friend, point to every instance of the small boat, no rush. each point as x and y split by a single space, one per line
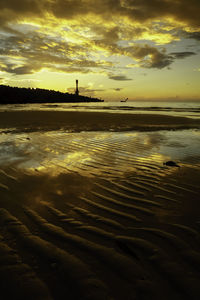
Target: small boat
124 100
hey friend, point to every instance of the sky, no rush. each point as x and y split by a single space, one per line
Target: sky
140 49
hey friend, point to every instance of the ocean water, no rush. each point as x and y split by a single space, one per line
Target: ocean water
187 108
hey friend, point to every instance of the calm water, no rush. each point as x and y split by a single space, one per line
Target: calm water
189 108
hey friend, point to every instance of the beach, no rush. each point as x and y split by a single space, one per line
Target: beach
89 209
92 121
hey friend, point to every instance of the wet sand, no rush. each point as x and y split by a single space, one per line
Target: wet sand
96 214
92 121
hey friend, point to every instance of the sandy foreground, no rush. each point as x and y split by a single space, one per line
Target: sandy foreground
88 210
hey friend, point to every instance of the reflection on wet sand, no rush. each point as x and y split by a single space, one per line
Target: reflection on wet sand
97 215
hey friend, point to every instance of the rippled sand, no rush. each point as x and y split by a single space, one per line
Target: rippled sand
96 215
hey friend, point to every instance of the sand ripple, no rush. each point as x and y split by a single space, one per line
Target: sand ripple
98 216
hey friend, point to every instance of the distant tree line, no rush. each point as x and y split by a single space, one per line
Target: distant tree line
16 95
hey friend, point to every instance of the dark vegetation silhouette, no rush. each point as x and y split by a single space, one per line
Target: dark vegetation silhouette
16 95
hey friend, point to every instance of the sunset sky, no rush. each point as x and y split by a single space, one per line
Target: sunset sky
140 49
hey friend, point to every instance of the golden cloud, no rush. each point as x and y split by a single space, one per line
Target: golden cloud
80 35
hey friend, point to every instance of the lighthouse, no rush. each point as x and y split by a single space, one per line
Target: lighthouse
77 91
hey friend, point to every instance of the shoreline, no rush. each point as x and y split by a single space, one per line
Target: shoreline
92 121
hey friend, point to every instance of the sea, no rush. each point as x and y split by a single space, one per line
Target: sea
176 108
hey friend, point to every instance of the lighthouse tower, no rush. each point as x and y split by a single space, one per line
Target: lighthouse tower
77 91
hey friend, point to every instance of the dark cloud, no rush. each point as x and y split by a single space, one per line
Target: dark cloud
11 10
72 8
180 55
152 57
22 54
119 77
149 56
26 69
146 55
180 10
136 10
34 6
118 89
106 35
192 35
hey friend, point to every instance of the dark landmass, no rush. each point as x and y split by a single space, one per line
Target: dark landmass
15 95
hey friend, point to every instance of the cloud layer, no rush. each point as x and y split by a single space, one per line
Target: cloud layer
136 10
77 36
